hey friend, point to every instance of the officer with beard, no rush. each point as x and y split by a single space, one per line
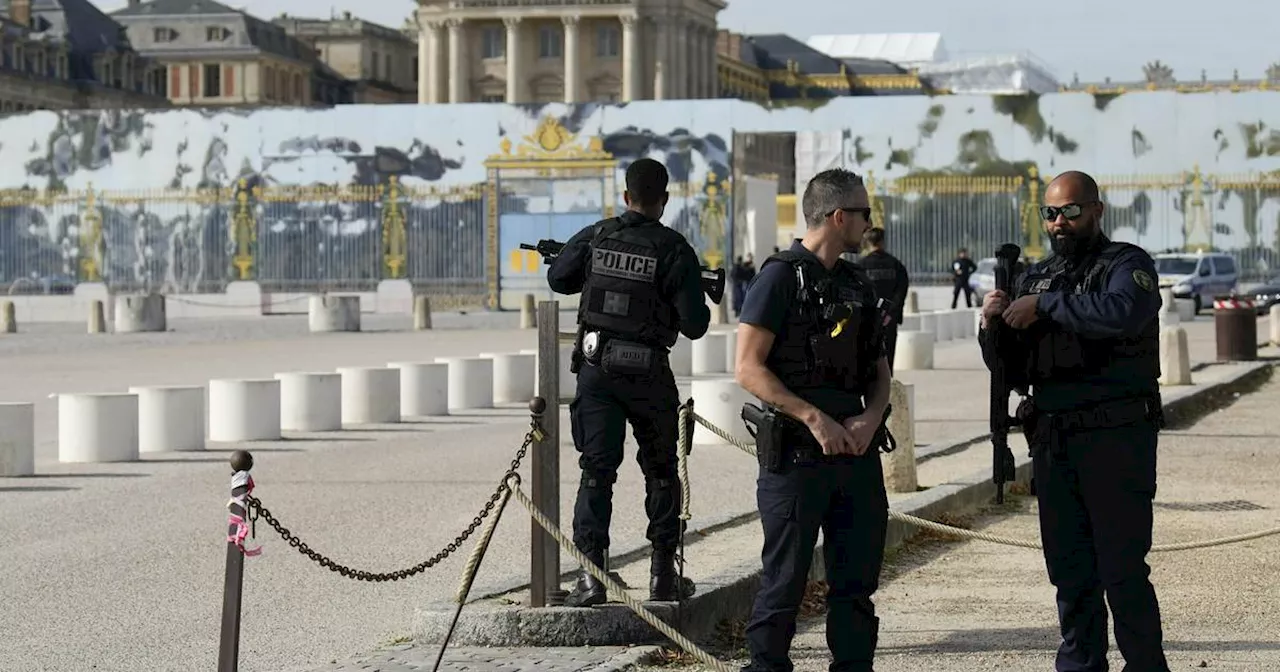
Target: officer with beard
810 346
1088 348
641 287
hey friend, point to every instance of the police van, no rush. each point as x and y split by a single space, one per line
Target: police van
1198 276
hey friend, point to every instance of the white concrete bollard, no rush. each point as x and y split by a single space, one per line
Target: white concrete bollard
421 312
1168 304
140 313
681 357
471 382
370 395
929 325
945 329
914 352
514 376
170 418
17 439
976 324
97 318
424 388
963 324
310 402
910 323
900 465
913 303
327 313
709 353
244 410
1169 318
1175 357
1274 317
8 318
97 427
720 402
1186 309
528 313
731 352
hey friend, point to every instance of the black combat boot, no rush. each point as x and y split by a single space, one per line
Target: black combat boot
665 584
587 591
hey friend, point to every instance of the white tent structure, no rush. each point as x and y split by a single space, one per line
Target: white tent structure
998 74
908 50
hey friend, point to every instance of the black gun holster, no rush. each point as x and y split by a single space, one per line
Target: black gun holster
766 426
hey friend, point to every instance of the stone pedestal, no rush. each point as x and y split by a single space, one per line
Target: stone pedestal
900 465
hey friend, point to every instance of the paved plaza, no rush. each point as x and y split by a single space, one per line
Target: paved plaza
139 546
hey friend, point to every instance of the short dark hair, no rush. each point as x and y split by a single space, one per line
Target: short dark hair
647 182
826 192
874 237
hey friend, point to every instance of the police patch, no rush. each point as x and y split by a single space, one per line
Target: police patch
624 265
1144 281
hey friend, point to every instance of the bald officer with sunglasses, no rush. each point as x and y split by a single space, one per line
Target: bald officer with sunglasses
1088 349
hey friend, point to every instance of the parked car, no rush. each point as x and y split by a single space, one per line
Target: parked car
983 280
1266 295
1197 276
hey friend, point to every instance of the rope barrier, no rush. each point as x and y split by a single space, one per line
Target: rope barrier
616 590
682 458
993 538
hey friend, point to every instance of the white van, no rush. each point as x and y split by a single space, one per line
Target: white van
1197 276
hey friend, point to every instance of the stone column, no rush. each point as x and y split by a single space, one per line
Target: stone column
630 76
681 59
514 83
713 64
457 66
662 60
425 40
697 65
571 75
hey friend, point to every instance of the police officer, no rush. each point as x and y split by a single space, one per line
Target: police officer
822 369
1088 340
641 288
891 281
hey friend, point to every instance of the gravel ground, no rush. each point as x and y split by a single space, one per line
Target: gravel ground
960 606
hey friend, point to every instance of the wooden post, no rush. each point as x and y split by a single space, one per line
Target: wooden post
544 576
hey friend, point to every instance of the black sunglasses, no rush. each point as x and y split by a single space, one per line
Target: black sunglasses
865 212
1071 211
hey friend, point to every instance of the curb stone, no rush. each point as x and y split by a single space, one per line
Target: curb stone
730 593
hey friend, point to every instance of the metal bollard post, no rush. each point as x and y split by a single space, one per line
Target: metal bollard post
1235 328
544 578
229 646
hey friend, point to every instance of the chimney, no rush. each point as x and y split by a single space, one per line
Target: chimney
20 12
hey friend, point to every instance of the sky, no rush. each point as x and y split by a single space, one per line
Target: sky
1093 38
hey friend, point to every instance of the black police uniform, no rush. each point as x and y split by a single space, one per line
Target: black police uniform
891 281
1092 364
640 284
844 495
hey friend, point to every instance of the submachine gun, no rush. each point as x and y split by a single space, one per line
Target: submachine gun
712 279
1003 469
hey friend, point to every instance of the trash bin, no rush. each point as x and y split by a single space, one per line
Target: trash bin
1235 324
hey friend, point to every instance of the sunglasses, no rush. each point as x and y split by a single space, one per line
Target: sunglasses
865 212
1071 211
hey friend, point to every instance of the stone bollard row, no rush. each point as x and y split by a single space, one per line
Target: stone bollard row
1175 356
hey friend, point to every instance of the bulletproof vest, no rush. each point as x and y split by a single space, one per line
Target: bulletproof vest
833 327
1057 354
622 293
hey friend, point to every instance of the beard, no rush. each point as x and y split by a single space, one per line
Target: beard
1072 244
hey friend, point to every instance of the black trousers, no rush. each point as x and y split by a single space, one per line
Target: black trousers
845 498
890 343
968 295
605 403
1095 489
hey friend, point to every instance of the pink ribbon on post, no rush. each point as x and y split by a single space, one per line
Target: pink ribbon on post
241 486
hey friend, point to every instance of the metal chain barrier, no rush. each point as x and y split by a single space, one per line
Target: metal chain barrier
257 510
993 538
231 306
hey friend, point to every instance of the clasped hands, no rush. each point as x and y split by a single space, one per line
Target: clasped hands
852 437
1019 314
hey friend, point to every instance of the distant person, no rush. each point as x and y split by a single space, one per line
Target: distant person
891 281
962 268
744 271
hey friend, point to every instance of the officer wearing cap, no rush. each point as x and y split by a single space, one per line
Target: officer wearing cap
641 287
1087 346
891 281
810 347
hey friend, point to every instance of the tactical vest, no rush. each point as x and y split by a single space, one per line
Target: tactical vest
622 293
833 327
1056 353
